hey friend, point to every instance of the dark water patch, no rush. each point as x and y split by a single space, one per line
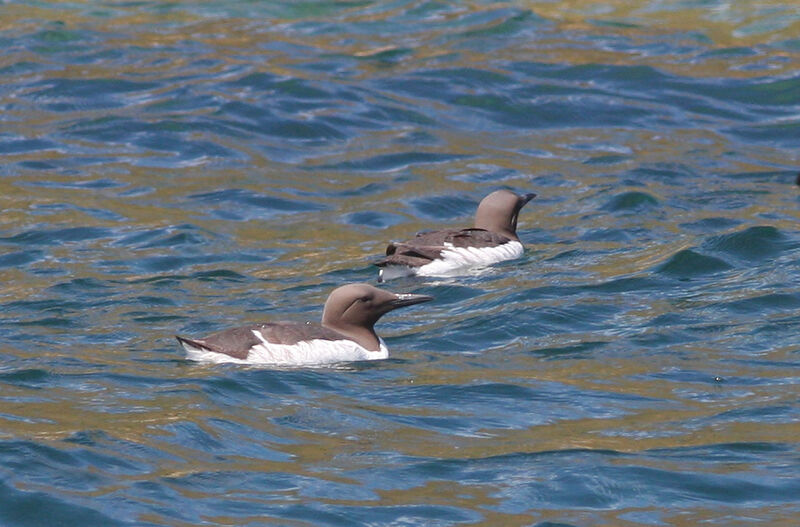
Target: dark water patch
35 378
419 138
253 119
161 264
689 264
279 86
21 68
443 207
481 332
44 236
392 162
631 76
781 134
219 275
242 387
725 200
662 338
369 189
167 237
295 129
737 51
150 318
633 201
194 436
102 214
684 375
454 295
711 225
752 244
91 184
768 303
424 86
379 115
627 284
512 112
608 159
670 320
21 258
596 479
158 281
579 317
374 220
472 77
672 173
136 457
37 165
242 205
612 235
483 174
768 91
497 23
240 483
162 136
739 453
469 410
767 414
55 306
386 57
178 240
782 176
581 349
49 322
136 192
78 286
422 514
184 99
570 254
16 145
67 95
34 508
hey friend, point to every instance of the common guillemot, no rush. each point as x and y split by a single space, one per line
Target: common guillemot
346 333
447 252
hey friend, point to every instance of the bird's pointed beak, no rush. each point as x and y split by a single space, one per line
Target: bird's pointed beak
409 299
525 198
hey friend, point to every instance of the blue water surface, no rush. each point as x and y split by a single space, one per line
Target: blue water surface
183 167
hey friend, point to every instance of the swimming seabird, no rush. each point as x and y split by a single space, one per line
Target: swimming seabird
346 333
446 252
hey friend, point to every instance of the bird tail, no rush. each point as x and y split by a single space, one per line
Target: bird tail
194 344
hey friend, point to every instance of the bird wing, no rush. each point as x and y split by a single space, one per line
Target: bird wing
428 246
237 342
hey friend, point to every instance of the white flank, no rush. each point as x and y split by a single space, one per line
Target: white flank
454 260
306 353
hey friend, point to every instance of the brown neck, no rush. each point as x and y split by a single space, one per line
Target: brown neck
364 337
505 230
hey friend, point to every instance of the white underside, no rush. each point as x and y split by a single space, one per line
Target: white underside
455 260
306 353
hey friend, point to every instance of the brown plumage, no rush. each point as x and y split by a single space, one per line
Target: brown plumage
495 225
350 313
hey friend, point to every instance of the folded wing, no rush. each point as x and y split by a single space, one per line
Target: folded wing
428 246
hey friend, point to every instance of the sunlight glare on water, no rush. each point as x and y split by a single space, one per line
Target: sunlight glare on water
184 167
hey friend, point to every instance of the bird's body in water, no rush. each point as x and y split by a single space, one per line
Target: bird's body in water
447 252
345 334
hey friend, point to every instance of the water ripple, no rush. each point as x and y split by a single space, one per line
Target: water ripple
184 167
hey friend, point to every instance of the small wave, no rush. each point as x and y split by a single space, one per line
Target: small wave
752 244
242 204
689 263
633 201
